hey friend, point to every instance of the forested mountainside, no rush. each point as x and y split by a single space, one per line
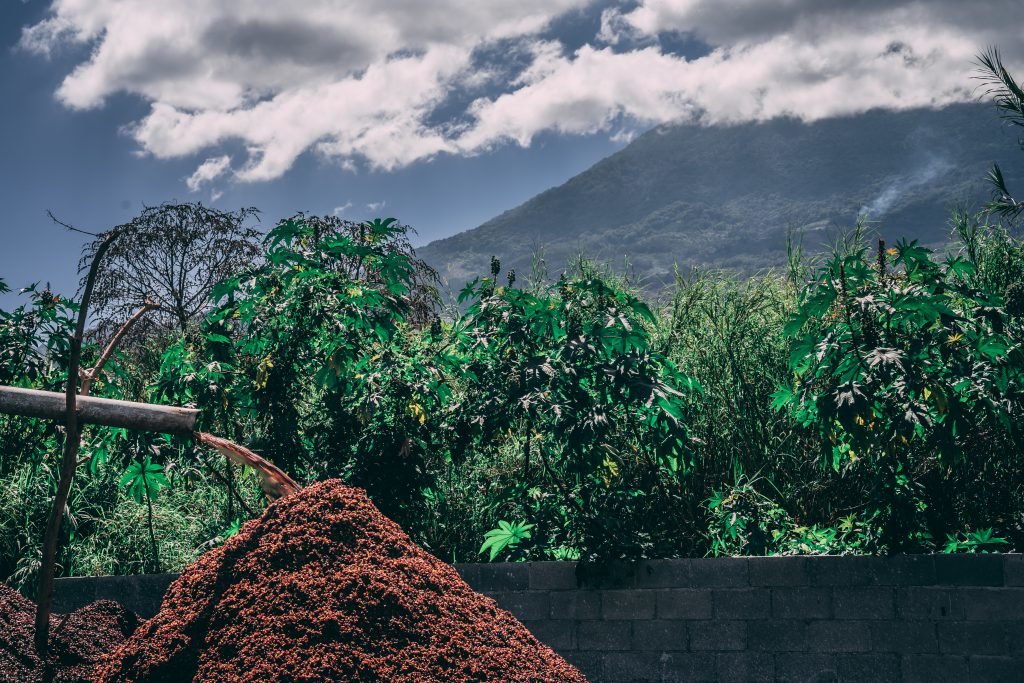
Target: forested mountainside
727 196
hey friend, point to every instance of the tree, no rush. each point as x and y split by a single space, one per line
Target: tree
330 298
169 258
372 253
72 441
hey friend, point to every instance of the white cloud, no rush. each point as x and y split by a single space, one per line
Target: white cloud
625 135
808 59
590 90
376 83
348 79
376 206
339 211
209 170
376 115
228 53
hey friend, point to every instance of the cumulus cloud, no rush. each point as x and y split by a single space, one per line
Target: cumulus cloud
209 170
744 21
377 115
380 83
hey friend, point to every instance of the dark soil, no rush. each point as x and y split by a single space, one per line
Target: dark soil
77 640
325 588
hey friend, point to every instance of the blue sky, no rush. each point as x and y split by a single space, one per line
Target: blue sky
440 113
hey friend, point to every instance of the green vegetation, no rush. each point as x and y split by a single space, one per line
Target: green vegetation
867 403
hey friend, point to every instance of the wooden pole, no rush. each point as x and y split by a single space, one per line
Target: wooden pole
99 411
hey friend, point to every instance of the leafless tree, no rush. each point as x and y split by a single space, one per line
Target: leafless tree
168 259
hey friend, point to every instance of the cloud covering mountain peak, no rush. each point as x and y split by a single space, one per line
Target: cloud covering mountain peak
390 83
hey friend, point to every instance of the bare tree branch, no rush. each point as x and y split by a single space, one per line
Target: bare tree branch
88 376
68 226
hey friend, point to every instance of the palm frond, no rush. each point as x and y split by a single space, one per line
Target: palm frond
1000 86
1003 203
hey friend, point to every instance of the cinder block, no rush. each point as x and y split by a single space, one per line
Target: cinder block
1015 635
683 604
927 603
130 592
123 589
560 636
657 635
747 603
969 570
150 593
843 571
777 635
990 604
553 575
805 668
619 574
934 669
525 605
470 573
905 570
627 604
724 572
72 593
778 571
838 636
663 574
638 667
578 604
745 667
590 663
996 669
904 637
973 638
717 635
604 635
869 602
1013 569
502 576
675 667
802 603
684 667
868 668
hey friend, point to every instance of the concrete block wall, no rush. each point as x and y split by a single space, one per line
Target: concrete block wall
904 618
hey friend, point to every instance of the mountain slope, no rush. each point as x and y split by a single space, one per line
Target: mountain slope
726 196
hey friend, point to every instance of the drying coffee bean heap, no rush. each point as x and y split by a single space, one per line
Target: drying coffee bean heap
77 640
324 587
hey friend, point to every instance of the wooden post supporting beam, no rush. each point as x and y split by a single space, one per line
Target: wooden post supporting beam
99 411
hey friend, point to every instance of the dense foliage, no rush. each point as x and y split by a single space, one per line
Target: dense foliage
871 403
874 408
910 370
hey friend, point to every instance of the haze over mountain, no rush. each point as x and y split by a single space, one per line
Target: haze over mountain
726 196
